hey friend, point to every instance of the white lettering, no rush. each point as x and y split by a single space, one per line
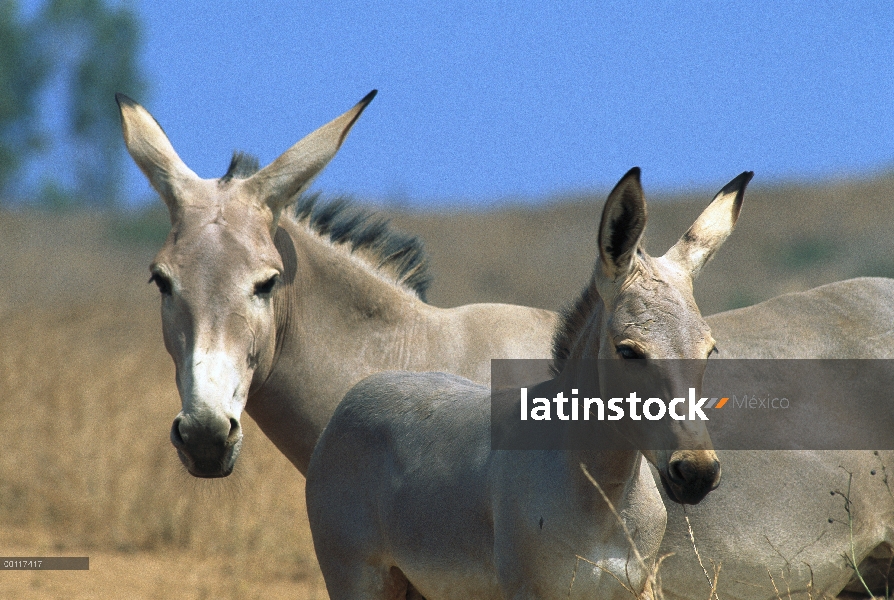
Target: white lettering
613 406
524 404
540 413
696 407
632 400
673 411
661 409
600 415
560 401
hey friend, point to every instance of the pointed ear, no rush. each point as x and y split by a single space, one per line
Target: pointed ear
280 183
152 151
623 223
711 228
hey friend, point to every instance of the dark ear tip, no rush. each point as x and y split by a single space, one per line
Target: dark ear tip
630 177
739 183
368 98
123 100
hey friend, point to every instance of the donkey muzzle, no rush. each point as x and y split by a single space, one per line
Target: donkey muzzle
207 447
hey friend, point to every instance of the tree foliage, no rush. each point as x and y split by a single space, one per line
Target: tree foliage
83 51
23 73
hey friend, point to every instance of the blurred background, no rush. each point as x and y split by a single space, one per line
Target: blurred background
497 133
480 103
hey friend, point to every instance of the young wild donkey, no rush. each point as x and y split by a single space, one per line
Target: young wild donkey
405 493
281 314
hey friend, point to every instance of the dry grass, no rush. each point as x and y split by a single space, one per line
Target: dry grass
87 391
88 398
788 238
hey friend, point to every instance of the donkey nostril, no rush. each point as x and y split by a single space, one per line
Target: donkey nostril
718 472
176 434
235 432
685 472
680 472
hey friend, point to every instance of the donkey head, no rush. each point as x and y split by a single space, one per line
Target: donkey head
640 307
218 272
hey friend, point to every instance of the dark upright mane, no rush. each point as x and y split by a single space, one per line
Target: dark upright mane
572 319
369 236
242 166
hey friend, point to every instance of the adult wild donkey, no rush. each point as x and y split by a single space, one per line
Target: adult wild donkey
404 490
282 314
801 534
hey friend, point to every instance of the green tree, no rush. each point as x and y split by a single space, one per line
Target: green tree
99 48
23 73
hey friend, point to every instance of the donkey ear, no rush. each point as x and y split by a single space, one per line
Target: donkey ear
711 228
622 226
279 183
152 151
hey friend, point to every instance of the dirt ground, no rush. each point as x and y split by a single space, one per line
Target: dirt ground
147 575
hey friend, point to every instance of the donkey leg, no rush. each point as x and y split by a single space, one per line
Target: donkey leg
369 582
877 571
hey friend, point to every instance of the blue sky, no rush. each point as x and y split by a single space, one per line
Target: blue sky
480 102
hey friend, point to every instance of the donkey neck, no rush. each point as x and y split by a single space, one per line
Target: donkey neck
613 469
570 341
337 320
326 280
574 352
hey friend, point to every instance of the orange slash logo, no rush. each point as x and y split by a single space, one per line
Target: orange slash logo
715 404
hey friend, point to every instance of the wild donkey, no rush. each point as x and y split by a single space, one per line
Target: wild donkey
775 512
281 314
347 301
405 492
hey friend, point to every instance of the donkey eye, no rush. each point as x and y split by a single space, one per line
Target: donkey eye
163 283
629 352
265 287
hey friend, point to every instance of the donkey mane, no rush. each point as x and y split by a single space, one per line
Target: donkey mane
242 166
368 235
573 317
572 320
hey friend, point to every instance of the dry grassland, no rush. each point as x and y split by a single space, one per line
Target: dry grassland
87 390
